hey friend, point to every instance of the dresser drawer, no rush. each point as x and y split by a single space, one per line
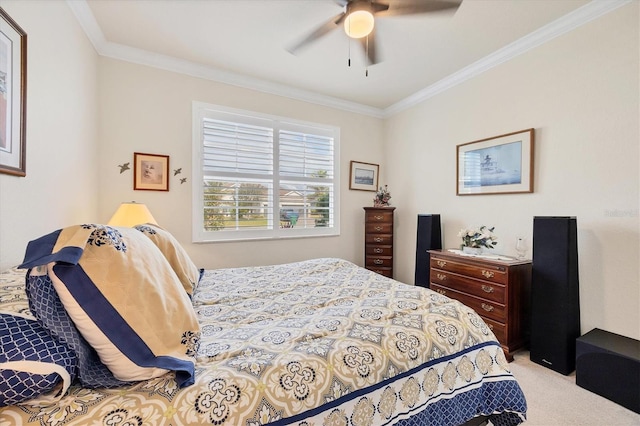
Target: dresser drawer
499 329
494 273
484 308
378 250
483 289
387 272
378 261
378 239
378 216
379 228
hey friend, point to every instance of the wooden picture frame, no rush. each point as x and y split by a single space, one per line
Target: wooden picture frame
150 172
13 96
363 176
497 165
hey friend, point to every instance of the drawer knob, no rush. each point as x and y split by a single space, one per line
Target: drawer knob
487 288
378 217
441 263
377 250
378 261
441 277
377 239
487 274
490 326
441 291
378 228
487 308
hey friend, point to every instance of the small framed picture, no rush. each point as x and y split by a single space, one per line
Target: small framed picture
363 176
498 165
13 96
150 172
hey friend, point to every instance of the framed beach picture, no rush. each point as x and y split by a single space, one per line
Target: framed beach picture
13 95
498 165
363 176
150 172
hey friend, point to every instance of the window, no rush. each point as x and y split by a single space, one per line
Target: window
259 176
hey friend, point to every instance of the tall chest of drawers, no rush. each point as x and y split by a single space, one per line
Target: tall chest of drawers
498 290
378 240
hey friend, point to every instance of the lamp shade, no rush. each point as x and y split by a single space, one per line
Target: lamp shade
131 214
359 23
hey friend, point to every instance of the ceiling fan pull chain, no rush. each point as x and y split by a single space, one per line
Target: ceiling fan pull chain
366 69
349 48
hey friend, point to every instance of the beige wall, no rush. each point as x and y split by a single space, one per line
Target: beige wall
581 94
149 110
579 91
62 182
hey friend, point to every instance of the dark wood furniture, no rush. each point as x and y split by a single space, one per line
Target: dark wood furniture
378 240
498 290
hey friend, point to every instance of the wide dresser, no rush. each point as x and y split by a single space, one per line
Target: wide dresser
498 290
378 240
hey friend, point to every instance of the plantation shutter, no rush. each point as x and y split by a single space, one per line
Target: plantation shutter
263 177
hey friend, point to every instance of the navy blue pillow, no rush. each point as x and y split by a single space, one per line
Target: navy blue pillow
32 362
46 306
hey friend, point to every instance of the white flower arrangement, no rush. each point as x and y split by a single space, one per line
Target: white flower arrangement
383 197
481 237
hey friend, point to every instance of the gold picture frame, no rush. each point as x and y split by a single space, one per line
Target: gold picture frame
13 97
150 172
497 165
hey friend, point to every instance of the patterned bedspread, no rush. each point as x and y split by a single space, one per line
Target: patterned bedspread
319 342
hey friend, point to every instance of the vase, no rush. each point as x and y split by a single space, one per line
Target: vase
472 250
380 204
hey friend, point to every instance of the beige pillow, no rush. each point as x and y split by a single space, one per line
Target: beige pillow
175 254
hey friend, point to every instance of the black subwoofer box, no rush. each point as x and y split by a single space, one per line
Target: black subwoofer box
608 364
429 238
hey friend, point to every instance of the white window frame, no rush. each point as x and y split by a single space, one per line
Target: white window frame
200 111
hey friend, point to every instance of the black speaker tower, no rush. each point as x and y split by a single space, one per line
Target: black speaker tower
555 299
429 238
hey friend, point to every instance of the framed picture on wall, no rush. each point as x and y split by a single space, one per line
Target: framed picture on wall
150 172
498 165
363 176
13 95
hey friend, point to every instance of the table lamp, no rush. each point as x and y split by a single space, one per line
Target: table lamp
131 214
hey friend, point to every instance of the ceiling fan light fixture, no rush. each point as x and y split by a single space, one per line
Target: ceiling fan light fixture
359 23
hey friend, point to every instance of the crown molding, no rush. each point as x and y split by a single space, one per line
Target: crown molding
83 14
88 23
169 63
562 25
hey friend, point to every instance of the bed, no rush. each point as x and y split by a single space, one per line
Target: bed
317 342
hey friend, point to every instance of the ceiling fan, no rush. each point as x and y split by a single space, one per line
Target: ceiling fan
358 19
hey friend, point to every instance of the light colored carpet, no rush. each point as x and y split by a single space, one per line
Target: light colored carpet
555 399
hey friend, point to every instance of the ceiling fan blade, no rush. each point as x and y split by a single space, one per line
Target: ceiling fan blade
370 50
341 2
322 30
419 6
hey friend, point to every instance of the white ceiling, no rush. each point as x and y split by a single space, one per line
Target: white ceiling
243 42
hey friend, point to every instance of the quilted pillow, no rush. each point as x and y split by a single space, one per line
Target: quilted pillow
175 254
32 363
46 306
123 297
